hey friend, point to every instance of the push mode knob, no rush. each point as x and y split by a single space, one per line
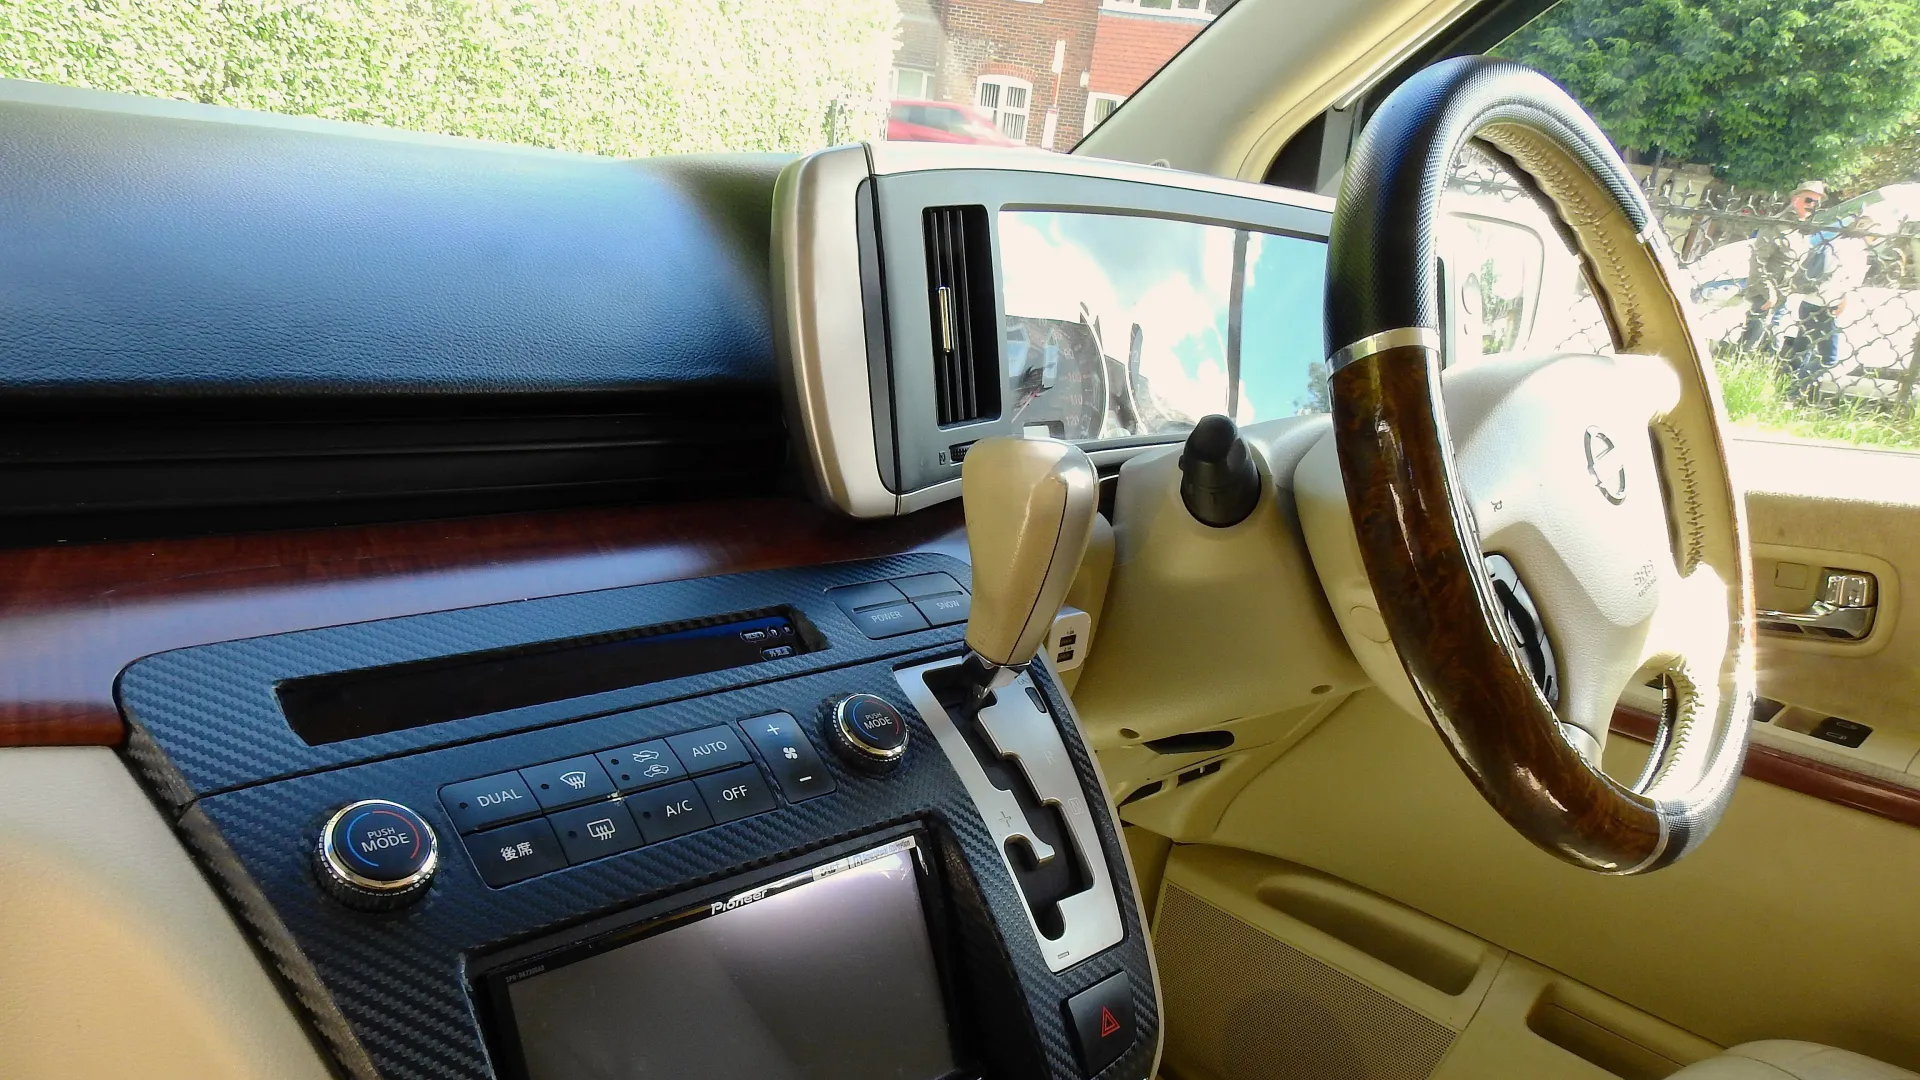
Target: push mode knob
376 855
868 730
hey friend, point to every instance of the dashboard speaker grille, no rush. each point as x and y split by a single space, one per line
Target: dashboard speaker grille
966 357
1273 1012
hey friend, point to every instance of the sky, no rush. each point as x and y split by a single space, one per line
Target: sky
1173 278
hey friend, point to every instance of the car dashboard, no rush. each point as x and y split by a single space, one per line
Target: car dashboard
535 806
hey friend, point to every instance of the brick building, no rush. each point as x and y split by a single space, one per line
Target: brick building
1045 71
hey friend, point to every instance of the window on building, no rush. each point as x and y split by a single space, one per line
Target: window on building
912 84
1005 99
1193 9
1099 107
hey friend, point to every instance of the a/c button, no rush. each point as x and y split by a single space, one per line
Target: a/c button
666 812
736 793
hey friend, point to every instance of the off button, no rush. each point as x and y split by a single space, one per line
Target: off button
736 793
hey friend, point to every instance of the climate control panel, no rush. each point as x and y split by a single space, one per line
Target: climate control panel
536 819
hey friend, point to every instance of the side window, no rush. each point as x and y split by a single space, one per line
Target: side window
1779 158
1005 100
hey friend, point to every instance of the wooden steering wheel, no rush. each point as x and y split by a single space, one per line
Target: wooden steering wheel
1590 489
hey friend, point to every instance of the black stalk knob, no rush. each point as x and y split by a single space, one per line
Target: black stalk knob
1218 480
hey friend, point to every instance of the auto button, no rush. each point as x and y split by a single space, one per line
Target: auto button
709 749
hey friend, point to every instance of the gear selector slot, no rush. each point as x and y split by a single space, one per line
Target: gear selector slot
1009 753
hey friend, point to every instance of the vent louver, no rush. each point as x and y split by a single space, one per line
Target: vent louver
966 353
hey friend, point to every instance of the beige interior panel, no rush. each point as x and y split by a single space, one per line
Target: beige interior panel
1205 626
1089 591
116 957
1356 985
1843 506
1535 1023
1794 920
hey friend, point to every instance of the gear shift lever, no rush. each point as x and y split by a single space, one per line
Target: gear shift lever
1030 506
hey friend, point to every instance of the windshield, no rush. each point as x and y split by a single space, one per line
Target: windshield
628 78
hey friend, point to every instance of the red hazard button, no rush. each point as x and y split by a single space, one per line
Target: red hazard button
1101 1019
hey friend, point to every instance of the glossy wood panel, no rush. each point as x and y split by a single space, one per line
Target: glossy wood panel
1425 565
72 617
1809 777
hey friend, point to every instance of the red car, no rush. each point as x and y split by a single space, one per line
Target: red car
943 122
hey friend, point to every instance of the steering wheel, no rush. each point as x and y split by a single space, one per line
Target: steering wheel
1592 490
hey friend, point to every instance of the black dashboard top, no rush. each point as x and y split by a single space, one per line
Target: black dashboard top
218 252
216 320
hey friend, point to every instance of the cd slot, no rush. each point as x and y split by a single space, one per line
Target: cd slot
375 701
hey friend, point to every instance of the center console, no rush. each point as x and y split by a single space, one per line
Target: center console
747 826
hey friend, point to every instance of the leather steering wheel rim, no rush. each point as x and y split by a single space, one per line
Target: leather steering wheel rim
1416 525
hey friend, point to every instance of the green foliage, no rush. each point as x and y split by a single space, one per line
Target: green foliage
1772 91
617 77
1759 397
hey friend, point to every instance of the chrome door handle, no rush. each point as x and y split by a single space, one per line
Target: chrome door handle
1845 609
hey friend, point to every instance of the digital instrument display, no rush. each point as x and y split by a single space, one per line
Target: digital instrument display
373 701
1121 326
823 975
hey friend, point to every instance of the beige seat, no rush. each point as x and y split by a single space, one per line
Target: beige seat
1782 1059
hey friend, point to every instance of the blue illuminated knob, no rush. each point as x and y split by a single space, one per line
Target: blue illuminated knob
376 855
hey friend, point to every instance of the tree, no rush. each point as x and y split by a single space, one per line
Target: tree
1768 91
1318 397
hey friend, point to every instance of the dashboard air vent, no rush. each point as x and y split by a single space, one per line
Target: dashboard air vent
966 354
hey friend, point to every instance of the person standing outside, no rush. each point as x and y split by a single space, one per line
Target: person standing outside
1778 250
1835 264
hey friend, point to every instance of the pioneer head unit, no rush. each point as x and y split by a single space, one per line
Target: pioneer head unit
820 969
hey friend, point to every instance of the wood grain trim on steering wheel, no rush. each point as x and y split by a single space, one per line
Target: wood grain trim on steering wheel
1432 596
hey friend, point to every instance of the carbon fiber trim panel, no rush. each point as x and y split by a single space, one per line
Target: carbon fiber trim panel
390 994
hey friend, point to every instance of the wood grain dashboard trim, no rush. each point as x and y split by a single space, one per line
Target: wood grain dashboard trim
1781 768
72 617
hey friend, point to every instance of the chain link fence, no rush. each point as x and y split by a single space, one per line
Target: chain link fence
1829 306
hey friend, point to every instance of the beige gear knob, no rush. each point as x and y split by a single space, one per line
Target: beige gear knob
1030 506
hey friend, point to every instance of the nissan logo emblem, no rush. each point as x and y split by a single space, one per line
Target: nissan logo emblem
1608 471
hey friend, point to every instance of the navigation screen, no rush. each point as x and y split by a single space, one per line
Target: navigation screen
1121 326
783 982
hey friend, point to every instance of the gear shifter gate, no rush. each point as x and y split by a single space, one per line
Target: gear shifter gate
1010 755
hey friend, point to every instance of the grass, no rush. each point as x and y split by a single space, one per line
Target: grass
1759 398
